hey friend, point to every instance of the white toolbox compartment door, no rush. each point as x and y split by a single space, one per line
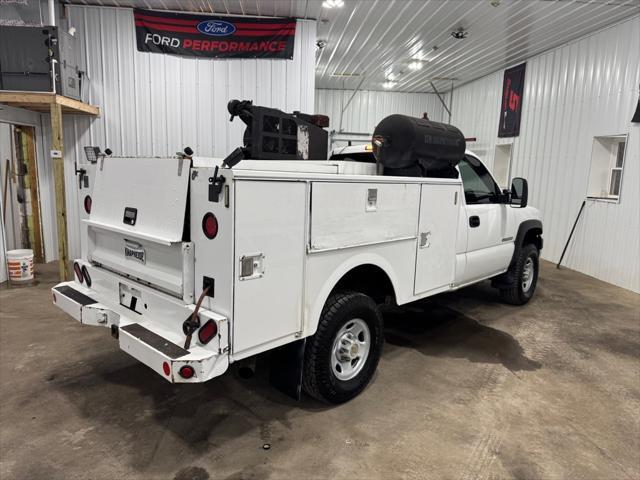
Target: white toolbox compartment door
155 187
354 214
270 227
137 221
436 255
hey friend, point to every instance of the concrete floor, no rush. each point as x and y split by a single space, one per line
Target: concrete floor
467 388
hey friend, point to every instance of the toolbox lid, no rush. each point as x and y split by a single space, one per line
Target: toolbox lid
144 197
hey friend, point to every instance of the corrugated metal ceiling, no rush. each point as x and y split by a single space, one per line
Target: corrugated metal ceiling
370 42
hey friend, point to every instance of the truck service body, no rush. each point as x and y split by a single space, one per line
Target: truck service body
274 254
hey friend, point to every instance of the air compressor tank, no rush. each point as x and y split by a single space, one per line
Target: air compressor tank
417 147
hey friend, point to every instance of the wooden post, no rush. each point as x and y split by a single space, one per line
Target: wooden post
57 143
29 149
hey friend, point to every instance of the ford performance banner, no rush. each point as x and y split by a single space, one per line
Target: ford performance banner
214 37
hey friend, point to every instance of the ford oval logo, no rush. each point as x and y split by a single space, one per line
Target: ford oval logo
216 28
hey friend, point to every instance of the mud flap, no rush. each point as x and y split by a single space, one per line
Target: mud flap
286 365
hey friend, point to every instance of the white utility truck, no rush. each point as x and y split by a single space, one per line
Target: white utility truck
195 263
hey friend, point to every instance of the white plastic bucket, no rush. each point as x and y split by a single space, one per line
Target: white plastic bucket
20 265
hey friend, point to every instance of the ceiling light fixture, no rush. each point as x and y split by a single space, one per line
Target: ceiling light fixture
388 85
333 3
460 33
415 66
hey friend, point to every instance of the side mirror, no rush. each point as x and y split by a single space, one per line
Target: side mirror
519 192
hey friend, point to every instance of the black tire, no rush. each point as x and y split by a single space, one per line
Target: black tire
516 294
319 379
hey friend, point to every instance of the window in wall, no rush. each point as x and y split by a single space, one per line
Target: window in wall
502 164
607 163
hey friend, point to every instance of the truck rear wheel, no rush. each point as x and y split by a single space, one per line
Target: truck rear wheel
526 275
342 356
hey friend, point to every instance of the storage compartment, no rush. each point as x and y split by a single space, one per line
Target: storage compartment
364 213
269 261
166 267
137 222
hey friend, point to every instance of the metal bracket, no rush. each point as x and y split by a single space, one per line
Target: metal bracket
215 186
425 240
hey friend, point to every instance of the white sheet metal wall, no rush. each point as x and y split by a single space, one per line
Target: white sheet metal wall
369 107
158 104
573 93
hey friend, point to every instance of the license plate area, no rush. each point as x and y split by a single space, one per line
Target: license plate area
131 298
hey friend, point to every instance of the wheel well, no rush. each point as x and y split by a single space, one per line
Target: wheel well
529 232
368 279
533 235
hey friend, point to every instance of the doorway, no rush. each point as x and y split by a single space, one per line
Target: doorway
20 195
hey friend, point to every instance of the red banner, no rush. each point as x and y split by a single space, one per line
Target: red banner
511 110
214 36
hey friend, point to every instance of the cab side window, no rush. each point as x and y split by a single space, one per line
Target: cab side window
479 186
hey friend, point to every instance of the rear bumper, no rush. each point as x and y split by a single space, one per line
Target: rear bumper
147 342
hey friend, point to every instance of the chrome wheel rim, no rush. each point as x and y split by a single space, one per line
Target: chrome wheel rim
350 350
527 274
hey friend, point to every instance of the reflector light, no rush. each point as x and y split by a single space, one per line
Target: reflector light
85 274
87 204
166 368
210 225
207 332
54 298
186 372
78 271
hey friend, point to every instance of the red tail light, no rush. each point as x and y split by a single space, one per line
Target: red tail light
87 204
85 274
166 368
78 271
207 332
210 225
186 372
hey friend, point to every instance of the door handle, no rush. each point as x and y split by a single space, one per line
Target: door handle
474 221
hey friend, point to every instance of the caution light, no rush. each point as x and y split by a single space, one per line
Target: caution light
368 147
78 272
210 225
207 332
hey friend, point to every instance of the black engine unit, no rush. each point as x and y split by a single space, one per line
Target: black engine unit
274 135
416 147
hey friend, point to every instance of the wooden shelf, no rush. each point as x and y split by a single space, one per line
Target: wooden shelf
42 101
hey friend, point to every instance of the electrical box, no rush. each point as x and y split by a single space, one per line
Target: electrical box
27 57
70 73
